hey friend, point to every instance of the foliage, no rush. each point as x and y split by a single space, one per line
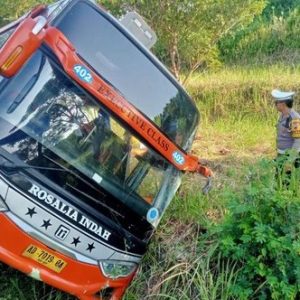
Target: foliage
261 233
11 10
279 7
271 37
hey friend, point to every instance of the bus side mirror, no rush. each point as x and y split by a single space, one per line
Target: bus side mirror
26 39
134 23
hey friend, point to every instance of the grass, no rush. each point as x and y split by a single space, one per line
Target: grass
237 129
16 286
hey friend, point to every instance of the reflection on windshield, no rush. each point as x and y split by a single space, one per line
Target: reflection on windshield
130 71
77 129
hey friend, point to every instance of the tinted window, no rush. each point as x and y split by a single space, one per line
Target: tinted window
129 70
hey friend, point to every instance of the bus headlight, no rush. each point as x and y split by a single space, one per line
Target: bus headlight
115 269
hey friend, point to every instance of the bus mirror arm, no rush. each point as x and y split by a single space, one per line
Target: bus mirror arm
206 172
208 186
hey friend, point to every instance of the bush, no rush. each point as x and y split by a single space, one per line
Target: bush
261 233
267 40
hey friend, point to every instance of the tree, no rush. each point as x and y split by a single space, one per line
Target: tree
189 30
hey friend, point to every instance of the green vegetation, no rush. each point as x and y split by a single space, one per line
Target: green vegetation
265 41
260 233
242 240
11 10
193 253
16 286
252 253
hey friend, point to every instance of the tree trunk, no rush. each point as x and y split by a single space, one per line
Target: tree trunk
191 71
175 58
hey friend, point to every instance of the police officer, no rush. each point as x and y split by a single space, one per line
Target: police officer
288 129
288 126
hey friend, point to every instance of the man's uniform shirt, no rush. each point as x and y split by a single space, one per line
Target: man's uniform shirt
288 132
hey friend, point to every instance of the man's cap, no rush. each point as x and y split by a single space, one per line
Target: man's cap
282 96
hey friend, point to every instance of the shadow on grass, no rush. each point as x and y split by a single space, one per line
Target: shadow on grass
18 286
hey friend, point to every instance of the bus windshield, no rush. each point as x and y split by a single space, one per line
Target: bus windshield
40 102
130 70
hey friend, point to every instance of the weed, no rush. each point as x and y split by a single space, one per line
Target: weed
260 233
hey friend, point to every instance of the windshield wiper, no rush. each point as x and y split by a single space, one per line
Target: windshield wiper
115 215
15 167
10 166
24 92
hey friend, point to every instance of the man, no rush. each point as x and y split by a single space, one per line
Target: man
288 127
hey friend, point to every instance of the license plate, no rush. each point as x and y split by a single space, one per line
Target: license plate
45 257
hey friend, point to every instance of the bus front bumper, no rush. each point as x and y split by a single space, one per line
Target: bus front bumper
82 280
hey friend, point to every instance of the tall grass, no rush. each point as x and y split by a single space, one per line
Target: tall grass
242 92
241 242
265 41
196 279
238 115
237 110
